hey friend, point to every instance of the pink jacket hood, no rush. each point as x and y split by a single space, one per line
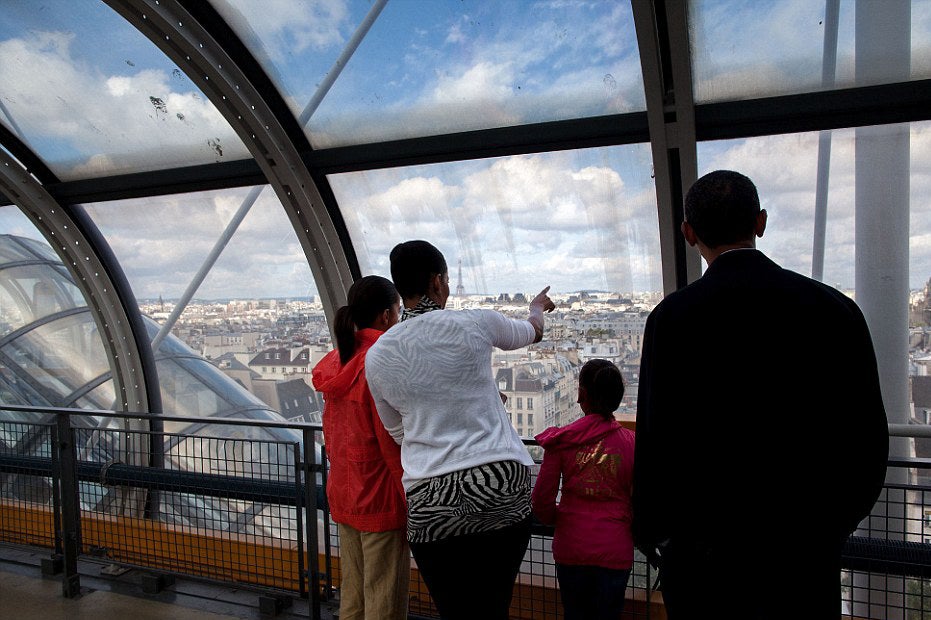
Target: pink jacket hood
588 429
335 379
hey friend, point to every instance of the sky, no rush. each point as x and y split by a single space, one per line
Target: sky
575 220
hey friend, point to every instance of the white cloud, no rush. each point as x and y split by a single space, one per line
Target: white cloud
485 81
286 28
540 192
455 34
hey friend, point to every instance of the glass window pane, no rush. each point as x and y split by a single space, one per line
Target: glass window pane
16 249
743 50
260 294
62 355
101 397
49 343
32 292
183 394
788 195
22 241
428 68
162 242
575 220
215 380
91 108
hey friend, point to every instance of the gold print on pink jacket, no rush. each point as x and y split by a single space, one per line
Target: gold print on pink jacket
597 472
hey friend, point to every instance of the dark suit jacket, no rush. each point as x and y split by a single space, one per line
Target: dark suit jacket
759 420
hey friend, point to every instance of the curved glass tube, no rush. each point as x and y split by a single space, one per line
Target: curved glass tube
51 354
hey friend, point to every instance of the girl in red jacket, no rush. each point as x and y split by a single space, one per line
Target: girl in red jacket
364 486
592 545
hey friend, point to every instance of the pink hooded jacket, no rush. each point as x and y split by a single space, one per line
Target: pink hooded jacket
595 458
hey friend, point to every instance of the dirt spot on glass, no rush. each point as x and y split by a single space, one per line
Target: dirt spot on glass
159 105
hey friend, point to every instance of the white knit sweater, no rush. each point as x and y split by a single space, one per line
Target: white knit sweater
434 391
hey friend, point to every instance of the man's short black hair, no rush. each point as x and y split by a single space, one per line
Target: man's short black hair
722 207
413 263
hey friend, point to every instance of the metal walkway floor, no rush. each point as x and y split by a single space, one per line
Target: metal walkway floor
26 594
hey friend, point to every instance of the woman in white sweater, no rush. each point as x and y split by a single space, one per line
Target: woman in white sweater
466 471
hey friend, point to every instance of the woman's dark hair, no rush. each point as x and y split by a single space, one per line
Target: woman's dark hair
413 263
604 385
368 297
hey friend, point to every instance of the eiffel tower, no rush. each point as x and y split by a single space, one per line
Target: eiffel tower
460 290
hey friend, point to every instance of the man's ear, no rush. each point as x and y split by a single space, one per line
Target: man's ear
689 233
760 226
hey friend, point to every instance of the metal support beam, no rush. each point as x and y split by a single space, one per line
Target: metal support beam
662 35
828 70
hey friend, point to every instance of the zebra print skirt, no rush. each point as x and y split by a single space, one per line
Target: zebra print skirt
479 499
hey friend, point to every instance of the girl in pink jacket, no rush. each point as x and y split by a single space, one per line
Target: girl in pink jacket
592 546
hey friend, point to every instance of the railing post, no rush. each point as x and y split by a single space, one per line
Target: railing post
70 534
310 503
299 515
327 554
53 566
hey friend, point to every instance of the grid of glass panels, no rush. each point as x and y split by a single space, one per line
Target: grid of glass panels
50 347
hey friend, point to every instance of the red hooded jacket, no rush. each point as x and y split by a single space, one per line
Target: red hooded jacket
595 458
364 486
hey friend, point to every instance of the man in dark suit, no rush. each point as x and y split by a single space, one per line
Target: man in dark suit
761 434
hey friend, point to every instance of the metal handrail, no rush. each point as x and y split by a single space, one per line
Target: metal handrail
895 430
138 415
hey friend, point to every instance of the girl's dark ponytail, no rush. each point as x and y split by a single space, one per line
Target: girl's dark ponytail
345 332
368 297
